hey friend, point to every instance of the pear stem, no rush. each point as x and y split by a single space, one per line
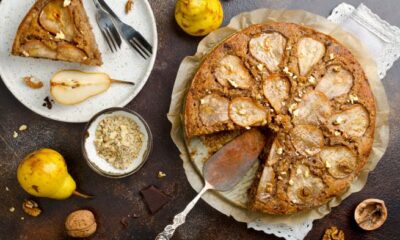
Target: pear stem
121 81
76 193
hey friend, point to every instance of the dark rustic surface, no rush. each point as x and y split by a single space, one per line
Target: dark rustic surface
115 199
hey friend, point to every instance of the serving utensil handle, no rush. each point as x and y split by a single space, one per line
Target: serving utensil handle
180 218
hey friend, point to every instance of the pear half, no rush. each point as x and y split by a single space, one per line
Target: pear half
71 87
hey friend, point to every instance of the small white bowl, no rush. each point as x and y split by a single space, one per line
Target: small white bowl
100 165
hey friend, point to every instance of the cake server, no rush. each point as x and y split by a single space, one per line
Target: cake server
223 171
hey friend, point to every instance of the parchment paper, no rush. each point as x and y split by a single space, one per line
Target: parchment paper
189 66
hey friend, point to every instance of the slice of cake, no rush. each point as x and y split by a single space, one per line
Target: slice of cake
58 30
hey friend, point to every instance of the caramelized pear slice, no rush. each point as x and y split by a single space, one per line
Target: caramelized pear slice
232 71
315 108
305 188
214 109
36 48
309 52
337 81
246 112
70 87
339 160
307 139
352 122
69 52
56 18
276 89
268 48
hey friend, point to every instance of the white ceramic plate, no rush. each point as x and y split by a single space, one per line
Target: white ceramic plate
124 65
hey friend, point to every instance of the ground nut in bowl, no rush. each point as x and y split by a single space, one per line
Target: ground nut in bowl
116 142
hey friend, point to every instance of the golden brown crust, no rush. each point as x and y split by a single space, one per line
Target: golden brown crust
291 180
81 48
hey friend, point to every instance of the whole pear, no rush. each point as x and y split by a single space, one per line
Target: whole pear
199 17
43 173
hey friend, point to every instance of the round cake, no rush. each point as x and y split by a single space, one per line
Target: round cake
305 87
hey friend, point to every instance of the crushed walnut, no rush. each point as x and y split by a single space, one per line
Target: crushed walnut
128 6
31 208
333 233
32 82
118 140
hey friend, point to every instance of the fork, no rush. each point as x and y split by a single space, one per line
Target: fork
133 37
107 28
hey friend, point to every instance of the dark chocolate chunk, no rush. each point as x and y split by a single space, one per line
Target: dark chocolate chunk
47 103
154 198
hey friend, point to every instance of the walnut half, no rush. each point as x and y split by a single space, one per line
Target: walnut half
370 214
31 208
333 233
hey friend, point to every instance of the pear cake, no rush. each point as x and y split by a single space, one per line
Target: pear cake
58 30
309 90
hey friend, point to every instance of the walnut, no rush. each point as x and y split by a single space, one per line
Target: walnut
33 82
31 208
370 214
128 6
333 233
80 224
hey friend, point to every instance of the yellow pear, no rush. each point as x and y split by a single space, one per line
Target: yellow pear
44 173
199 17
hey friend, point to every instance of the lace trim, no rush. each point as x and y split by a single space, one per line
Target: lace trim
293 232
389 35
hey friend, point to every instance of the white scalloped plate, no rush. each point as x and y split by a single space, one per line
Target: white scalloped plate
125 64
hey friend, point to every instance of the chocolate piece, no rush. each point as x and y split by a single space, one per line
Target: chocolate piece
47 103
154 198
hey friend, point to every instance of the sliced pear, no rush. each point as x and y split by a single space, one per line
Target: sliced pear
307 139
276 90
309 52
245 112
69 52
268 48
314 108
304 187
56 19
231 71
36 48
70 87
266 184
339 160
214 109
337 81
352 122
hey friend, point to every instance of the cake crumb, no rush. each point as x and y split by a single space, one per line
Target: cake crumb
161 174
23 127
12 209
15 134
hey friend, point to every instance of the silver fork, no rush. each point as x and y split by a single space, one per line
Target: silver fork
133 37
107 28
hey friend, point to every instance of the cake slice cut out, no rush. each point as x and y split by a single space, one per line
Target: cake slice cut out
57 30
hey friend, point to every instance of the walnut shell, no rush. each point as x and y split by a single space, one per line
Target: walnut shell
370 214
80 224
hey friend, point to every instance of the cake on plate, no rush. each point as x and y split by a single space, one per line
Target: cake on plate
304 86
58 30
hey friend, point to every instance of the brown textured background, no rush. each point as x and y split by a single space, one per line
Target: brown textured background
115 199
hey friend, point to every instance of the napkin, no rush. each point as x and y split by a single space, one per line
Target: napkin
382 40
